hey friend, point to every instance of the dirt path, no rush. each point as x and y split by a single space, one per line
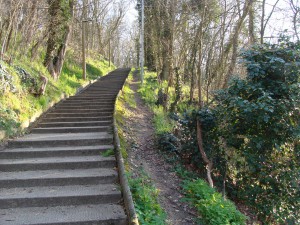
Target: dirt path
143 154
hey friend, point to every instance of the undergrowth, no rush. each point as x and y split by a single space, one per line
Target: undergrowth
145 196
212 207
19 82
144 193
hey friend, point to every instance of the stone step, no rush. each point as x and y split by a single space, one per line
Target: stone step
76 124
59 195
77 114
77 119
98 91
70 129
55 163
102 214
86 103
83 107
90 100
95 96
65 139
58 177
22 153
64 109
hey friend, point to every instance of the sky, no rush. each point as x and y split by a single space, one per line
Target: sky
280 20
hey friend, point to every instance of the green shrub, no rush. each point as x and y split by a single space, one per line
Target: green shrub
145 197
19 104
108 152
162 123
214 210
149 88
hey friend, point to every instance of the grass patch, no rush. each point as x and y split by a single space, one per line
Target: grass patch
149 92
162 123
18 104
144 193
145 196
108 153
214 209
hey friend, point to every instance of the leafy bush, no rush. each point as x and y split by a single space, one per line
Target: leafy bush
9 121
260 121
162 122
252 134
214 210
6 80
149 89
168 142
19 82
145 200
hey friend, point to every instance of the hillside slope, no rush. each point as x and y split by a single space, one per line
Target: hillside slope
21 80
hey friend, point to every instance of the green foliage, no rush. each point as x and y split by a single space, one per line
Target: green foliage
149 93
168 142
128 94
252 134
145 196
261 123
7 82
162 122
149 89
214 210
108 152
144 193
8 121
19 105
126 97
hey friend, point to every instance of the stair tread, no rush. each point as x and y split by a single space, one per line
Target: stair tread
79 122
46 180
64 136
78 148
59 173
59 191
80 214
63 128
54 160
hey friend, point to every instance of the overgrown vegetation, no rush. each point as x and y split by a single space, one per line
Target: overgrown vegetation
145 194
210 204
19 101
108 152
213 208
250 132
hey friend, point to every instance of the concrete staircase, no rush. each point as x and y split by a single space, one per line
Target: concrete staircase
56 175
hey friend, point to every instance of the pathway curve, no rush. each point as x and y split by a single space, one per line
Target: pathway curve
56 175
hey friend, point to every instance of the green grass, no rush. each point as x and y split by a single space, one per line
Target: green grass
162 123
19 107
213 208
149 91
108 152
145 196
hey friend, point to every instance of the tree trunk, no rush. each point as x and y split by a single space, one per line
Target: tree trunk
56 49
251 25
234 42
209 164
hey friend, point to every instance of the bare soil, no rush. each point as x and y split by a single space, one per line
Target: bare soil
143 154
